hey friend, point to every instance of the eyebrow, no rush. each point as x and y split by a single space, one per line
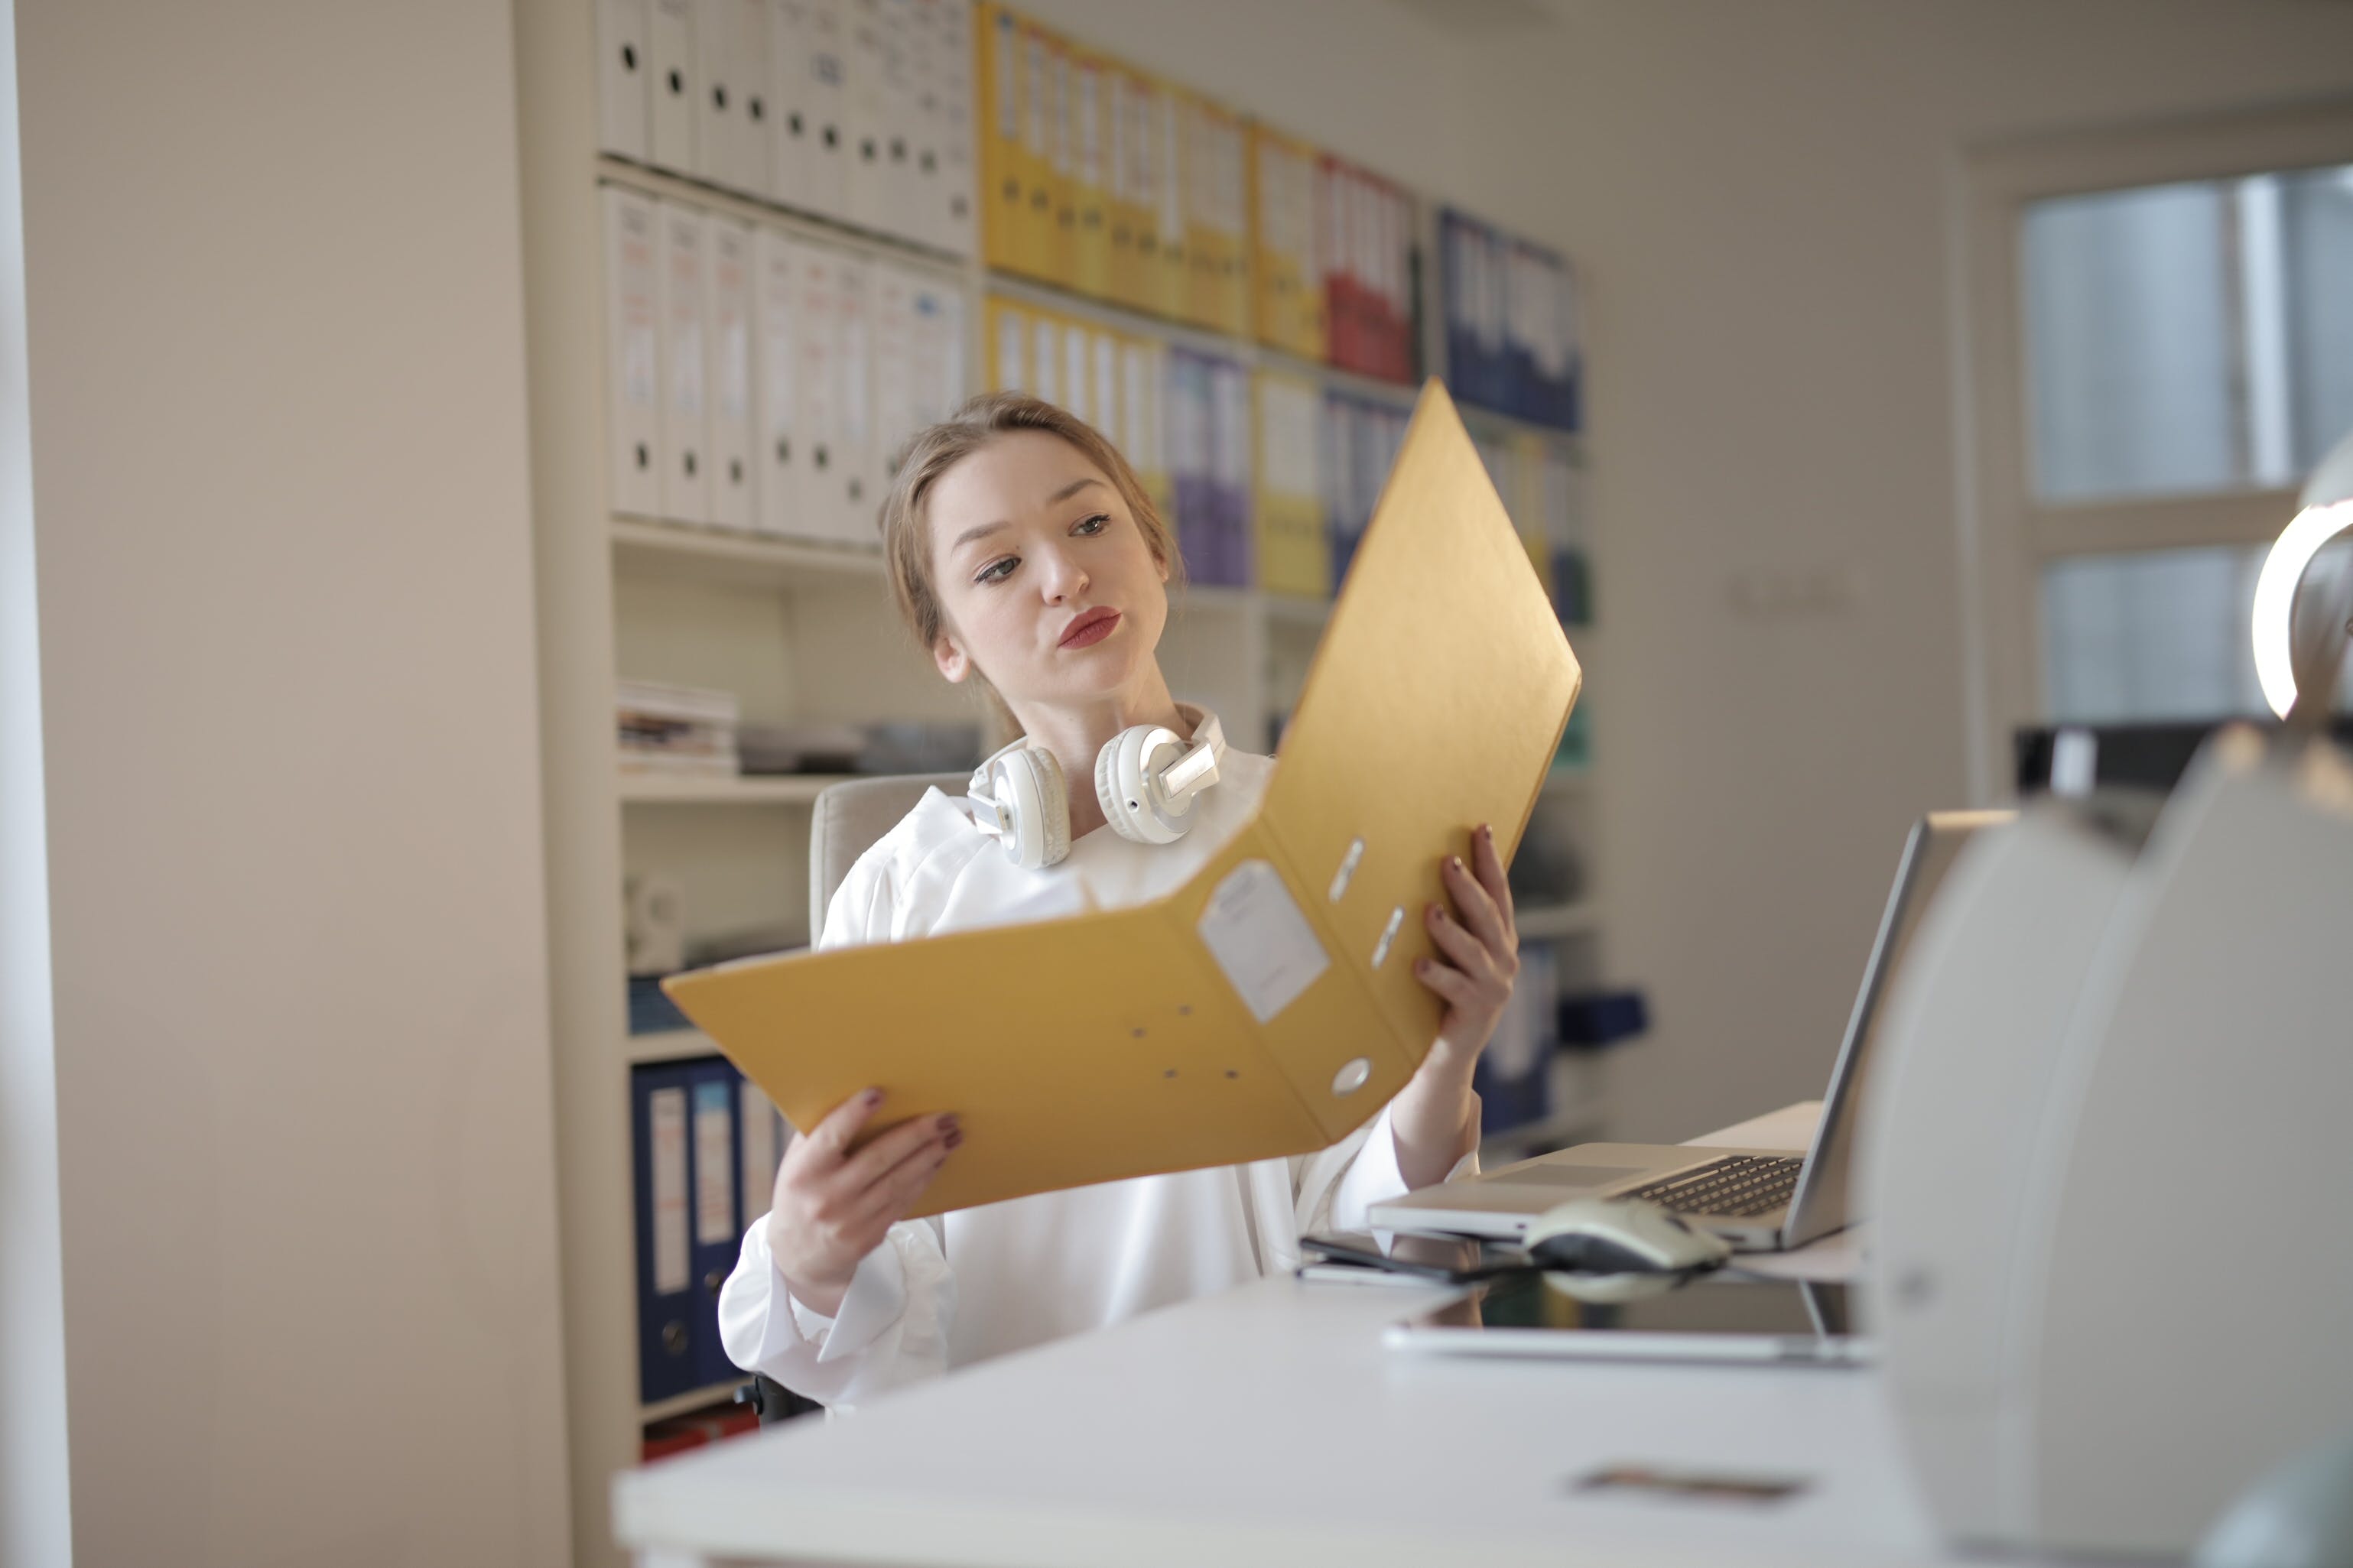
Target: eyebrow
1060 496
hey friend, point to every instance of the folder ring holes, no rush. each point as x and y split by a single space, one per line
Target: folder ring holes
734 471
1347 870
1137 1033
758 109
1231 1073
718 95
677 83
820 456
645 457
1184 1010
792 122
783 451
1389 935
1352 1077
628 56
1169 1073
690 464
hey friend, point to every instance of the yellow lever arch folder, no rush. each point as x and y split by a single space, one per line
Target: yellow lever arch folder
1268 1006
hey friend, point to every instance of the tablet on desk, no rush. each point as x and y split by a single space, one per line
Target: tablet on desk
1782 1323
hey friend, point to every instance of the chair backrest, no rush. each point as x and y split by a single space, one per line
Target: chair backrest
849 817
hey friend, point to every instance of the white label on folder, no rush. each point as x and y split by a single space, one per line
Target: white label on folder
1256 932
714 1164
666 1119
758 1120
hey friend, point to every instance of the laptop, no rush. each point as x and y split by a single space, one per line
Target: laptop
1760 1200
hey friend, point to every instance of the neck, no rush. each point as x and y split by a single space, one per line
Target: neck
1075 732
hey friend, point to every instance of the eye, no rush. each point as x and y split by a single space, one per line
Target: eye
998 571
1092 526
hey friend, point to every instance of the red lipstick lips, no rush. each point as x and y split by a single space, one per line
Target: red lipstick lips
1091 628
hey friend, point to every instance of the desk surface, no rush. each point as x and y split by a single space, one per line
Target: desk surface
1266 1424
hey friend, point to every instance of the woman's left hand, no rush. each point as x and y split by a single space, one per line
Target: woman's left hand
1478 950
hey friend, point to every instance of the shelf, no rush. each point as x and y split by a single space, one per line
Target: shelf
689 789
691 1400
1540 922
1288 610
664 183
1476 416
669 1045
1399 394
683 550
1110 313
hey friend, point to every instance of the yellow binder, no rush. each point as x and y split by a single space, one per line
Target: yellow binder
1269 1006
1003 172
1294 553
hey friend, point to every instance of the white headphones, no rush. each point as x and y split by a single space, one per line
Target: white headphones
1147 778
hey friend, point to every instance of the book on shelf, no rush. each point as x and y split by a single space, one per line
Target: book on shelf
675 730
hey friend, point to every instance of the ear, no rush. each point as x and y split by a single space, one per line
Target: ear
1162 566
954 663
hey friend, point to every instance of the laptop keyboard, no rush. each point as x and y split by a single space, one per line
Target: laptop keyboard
1740 1185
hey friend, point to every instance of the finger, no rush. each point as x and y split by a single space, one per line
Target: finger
1477 910
829 1143
889 1199
1450 983
869 1165
1487 859
1462 950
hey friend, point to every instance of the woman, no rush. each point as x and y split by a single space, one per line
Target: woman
1025 555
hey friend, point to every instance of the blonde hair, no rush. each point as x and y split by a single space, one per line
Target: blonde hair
905 523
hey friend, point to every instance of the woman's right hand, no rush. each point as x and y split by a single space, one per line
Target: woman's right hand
832 1208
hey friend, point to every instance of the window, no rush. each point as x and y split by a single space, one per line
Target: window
2159 336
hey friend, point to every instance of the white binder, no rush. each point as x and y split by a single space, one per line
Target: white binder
825 192
891 305
685 421
1046 360
718 109
857 497
1078 388
1012 352
751 82
778 264
817 387
790 129
728 357
1110 406
940 383
623 70
956 191
632 354
669 43
868 119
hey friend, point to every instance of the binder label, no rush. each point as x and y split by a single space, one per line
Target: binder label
1255 930
666 1117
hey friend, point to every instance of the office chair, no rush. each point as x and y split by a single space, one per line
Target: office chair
847 820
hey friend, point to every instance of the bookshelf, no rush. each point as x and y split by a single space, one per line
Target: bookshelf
799 631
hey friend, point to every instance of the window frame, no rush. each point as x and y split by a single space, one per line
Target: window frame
2007 535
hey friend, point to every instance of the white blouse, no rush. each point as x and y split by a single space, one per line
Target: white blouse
959 1288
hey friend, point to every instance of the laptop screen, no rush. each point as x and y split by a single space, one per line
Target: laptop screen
1819 1203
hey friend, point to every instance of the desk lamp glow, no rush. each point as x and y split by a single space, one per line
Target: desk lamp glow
2327 511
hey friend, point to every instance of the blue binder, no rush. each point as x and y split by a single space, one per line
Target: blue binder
661 1135
717 1162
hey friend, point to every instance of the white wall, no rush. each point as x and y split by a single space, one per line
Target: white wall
1756 197
1759 197
279 484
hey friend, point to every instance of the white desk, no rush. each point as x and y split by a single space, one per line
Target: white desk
1266 1424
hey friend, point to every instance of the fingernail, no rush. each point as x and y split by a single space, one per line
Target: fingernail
873 1097
1487 831
948 1122
954 1138
1455 861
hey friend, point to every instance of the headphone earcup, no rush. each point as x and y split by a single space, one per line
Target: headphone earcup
1039 805
1124 787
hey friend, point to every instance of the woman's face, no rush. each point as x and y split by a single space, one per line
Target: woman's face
1046 582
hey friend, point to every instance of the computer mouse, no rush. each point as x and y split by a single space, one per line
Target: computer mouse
1615 1249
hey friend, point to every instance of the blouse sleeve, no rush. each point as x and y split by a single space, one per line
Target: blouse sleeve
891 1328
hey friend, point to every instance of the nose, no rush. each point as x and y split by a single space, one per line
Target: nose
1062 579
